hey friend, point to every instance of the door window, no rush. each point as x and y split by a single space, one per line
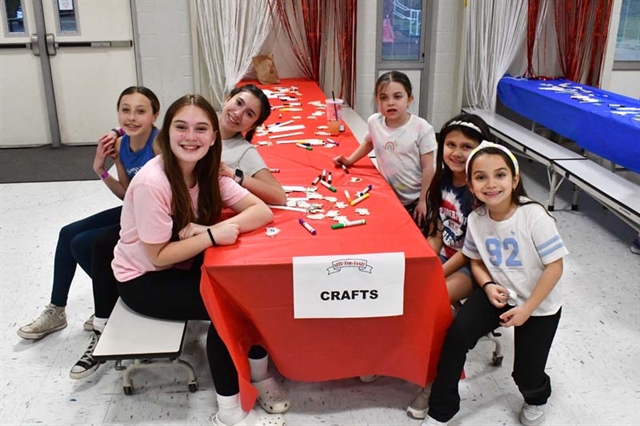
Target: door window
401 30
67 17
13 15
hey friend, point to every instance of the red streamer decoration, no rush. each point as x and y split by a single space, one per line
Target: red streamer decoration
581 28
302 22
305 22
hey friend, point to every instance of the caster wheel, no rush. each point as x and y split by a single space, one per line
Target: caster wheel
193 387
497 360
128 390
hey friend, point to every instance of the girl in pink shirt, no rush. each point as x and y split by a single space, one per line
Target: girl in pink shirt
168 219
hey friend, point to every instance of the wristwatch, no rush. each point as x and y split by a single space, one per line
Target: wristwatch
239 177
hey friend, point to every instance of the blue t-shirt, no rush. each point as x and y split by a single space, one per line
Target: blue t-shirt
456 205
133 161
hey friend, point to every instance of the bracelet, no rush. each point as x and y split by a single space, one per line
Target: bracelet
487 283
213 241
105 175
118 132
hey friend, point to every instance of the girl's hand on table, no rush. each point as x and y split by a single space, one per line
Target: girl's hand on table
341 159
191 230
225 233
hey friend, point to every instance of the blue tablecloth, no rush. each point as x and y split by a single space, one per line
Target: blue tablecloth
604 123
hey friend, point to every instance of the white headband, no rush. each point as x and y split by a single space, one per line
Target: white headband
465 124
487 144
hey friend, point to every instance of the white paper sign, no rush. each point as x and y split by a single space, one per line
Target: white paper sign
348 286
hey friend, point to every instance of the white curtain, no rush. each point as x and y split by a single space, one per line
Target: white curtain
496 33
230 33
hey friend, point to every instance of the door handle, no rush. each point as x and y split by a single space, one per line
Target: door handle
51 45
34 45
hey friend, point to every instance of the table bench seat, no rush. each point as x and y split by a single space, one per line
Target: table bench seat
618 194
129 335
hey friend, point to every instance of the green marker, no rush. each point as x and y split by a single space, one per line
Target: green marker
348 224
328 186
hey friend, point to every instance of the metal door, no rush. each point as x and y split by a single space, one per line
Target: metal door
62 65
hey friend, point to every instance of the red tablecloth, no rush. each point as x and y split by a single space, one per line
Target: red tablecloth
248 287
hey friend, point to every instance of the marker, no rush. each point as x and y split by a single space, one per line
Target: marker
348 224
329 178
279 124
333 142
360 198
274 170
301 145
345 168
324 174
346 194
331 188
307 226
364 191
316 180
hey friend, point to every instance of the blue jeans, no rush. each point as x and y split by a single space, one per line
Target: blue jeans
74 248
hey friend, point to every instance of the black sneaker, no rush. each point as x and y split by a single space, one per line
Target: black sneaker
87 364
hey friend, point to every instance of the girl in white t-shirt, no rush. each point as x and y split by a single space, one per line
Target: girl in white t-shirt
404 144
516 257
168 220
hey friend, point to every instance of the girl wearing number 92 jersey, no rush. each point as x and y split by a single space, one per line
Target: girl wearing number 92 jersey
516 257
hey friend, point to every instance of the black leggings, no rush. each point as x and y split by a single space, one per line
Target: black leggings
476 318
172 294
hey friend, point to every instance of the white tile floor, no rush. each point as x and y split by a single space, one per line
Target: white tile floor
594 363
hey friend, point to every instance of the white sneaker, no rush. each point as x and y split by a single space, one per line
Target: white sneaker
88 324
430 421
52 319
272 396
420 404
254 418
531 415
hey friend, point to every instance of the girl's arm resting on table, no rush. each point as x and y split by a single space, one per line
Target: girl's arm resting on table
365 148
252 213
547 281
266 187
454 263
172 252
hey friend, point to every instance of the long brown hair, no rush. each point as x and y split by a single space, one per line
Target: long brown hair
205 171
443 172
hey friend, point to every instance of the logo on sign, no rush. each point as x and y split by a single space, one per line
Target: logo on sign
360 264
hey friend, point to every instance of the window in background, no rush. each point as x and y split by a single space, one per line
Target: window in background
627 54
67 23
14 18
401 30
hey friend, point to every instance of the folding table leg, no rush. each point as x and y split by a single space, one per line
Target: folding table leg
554 183
576 194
